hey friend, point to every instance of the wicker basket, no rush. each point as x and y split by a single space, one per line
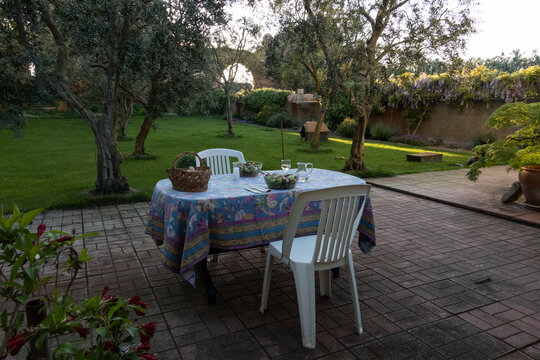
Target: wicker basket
189 180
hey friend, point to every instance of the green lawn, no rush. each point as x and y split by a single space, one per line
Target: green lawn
53 165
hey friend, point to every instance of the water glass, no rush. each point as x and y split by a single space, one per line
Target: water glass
236 170
285 165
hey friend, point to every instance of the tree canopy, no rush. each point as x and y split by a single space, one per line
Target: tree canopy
76 45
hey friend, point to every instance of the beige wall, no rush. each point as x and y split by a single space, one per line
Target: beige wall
454 126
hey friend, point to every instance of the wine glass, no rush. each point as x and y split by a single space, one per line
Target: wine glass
285 165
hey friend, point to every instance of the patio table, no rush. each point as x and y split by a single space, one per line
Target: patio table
190 226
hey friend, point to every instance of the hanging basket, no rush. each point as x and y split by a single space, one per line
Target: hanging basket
188 180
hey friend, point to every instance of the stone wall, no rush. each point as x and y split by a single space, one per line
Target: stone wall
456 127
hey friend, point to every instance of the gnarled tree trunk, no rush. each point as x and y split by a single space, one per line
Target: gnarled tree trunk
142 135
320 119
362 113
127 111
109 177
230 131
356 157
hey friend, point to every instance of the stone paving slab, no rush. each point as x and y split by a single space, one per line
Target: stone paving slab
423 289
453 187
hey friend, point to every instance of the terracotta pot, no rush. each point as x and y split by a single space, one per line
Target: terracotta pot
530 183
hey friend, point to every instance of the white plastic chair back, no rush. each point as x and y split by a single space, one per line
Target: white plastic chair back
219 160
341 212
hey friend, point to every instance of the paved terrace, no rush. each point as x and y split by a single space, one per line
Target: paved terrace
442 283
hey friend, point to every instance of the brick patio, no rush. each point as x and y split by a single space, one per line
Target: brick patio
443 282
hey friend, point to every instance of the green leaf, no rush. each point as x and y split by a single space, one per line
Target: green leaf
10 221
114 309
132 330
43 281
29 286
93 303
4 320
66 348
16 266
29 216
40 340
86 235
103 331
11 284
83 256
58 232
32 272
19 320
25 244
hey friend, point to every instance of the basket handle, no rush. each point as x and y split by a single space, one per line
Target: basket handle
185 153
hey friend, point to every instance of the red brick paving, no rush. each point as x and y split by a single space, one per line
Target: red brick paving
419 291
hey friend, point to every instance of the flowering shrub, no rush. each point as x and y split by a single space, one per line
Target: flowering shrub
347 127
102 321
23 256
105 315
417 95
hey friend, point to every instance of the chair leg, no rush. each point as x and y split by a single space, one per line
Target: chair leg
354 293
266 282
304 278
325 283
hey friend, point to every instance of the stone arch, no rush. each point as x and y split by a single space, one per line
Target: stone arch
253 61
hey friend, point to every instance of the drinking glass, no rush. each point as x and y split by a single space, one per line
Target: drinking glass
236 170
285 165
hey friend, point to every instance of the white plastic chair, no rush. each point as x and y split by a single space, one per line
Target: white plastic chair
341 211
219 160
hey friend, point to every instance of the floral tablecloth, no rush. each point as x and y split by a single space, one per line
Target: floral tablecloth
228 216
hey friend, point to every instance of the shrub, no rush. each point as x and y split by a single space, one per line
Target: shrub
347 127
335 113
415 140
256 100
266 112
382 132
482 139
276 119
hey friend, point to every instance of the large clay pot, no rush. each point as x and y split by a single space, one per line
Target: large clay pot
530 183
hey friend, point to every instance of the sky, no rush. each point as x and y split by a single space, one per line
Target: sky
505 25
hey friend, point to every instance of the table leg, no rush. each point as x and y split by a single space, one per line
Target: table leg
204 277
335 273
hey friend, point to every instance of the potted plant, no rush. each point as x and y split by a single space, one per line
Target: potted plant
520 150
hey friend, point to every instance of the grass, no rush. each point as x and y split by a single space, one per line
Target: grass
54 164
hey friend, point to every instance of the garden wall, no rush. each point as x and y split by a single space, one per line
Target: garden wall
456 127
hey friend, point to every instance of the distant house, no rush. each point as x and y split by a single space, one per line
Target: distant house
307 130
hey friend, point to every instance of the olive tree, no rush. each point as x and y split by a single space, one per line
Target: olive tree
230 44
374 34
312 42
108 40
176 60
89 32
